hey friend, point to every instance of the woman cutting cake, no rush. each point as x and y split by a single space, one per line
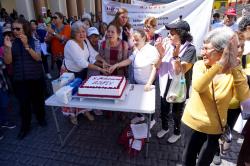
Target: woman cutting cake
79 56
143 58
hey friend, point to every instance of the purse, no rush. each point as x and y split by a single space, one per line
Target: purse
177 90
226 131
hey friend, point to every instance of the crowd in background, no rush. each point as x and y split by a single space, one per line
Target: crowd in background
29 50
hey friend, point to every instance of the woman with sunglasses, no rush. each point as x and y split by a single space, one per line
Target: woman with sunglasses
27 74
150 25
177 56
58 36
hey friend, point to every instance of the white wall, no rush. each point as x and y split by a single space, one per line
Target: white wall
26 8
58 6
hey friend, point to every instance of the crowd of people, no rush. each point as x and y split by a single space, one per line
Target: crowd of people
217 83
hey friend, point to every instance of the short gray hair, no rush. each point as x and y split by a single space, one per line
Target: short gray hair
219 37
75 28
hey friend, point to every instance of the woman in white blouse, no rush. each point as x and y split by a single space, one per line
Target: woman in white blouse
143 58
79 55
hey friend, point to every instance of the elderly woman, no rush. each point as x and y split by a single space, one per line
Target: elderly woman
214 80
178 54
114 50
143 60
79 55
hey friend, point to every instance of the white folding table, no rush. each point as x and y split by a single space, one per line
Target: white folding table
136 101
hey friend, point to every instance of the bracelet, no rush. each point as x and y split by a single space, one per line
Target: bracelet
176 57
27 48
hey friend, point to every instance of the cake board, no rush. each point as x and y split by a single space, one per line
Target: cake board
129 87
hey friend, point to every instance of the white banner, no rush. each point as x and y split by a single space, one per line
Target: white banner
137 2
196 12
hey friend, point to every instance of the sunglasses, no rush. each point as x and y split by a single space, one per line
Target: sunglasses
147 27
16 29
54 17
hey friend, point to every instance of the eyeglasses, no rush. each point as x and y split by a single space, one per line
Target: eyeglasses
54 17
16 29
147 27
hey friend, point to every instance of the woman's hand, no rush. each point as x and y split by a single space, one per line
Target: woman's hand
229 58
112 68
104 71
176 50
50 30
127 32
105 65
234 59
177 66
147 87
160 48
7 42
24 40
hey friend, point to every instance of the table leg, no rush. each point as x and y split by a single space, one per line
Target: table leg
147 142
57 125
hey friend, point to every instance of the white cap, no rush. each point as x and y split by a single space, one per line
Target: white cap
92 31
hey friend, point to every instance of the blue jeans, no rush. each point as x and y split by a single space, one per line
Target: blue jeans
4 101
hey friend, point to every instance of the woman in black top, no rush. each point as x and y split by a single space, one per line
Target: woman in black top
24 54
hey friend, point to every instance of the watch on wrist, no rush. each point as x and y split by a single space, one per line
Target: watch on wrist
54 33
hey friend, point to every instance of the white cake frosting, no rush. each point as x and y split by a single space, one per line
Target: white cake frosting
103 86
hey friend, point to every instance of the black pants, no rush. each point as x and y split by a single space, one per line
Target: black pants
45 63
177 111
197 143
30 94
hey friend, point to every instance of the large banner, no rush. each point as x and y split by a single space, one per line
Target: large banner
196 12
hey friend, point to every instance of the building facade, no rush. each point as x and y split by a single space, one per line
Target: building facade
31 9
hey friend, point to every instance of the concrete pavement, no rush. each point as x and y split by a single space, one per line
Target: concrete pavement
92 144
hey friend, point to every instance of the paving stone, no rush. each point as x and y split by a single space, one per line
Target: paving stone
92 144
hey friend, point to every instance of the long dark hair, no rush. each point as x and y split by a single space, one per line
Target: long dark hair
26 26
184 35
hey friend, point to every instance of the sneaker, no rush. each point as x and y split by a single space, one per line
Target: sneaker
174 138
137 119
225 147
98 112
73 120
217 160
8 125
162 133
152 123
89 116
